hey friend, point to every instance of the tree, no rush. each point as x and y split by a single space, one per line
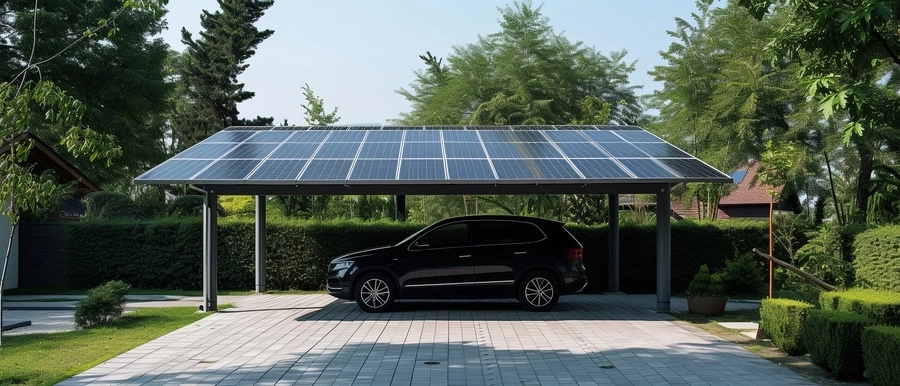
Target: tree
314 109
208 88
849 59
24 104
524 74
118 77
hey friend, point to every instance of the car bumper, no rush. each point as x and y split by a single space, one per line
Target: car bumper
339 285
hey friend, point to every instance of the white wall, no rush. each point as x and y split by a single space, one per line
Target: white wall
12 270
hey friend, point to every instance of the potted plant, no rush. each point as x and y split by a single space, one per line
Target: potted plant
706 293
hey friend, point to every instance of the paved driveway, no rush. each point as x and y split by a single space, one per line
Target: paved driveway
316 339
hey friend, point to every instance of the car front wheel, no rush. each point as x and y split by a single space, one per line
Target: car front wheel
375 292
538 291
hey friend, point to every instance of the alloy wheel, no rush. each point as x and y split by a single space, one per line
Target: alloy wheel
539 291
375 293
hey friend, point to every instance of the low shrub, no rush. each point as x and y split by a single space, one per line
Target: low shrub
102 304
834 341
880 345
782 321
882 307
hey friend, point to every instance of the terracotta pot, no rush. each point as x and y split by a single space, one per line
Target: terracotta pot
706 305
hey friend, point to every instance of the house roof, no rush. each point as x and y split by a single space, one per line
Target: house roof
750 190
44 157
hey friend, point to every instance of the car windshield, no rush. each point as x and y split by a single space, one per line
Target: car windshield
410 237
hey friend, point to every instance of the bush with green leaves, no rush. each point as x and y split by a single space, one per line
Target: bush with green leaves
706 283
744 275
782 321
102 304
882 307
110 205
877 258
880 345
834 341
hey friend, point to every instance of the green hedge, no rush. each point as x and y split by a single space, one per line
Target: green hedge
834 341
880 345
167 253
881 307
877 255
781 320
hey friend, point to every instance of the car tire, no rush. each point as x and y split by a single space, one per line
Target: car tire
538 291
375 292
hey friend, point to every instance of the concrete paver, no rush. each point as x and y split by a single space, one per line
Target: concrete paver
319 340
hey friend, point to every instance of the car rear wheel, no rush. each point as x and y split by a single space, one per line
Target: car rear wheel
538 291
375 292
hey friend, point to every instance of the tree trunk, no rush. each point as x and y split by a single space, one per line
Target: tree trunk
863 181
12 234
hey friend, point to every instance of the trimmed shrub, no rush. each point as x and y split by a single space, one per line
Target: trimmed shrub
102 304
834 341
876 255
880 345
782 321
881 307
110 205
744 275
166 253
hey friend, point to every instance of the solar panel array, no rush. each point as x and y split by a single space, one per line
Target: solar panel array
416 155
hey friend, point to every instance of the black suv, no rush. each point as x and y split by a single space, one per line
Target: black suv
532 259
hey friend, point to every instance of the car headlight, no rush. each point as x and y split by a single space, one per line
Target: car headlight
341 266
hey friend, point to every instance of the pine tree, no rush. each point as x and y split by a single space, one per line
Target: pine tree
208 91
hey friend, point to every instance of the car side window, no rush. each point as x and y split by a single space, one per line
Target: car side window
450 235
507 232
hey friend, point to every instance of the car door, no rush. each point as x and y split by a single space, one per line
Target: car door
438 264
502 249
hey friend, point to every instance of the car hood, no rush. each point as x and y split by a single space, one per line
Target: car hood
359 254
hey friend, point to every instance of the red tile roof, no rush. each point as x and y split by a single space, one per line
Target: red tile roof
750 190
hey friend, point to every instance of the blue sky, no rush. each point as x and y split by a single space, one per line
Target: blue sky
355 53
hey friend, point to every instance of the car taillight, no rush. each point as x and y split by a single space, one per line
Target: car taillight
573 253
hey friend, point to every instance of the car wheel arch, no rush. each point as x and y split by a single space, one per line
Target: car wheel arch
363 272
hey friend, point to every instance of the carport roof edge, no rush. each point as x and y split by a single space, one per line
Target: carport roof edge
259 160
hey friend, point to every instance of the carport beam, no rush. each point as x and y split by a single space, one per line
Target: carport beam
663 249
210 251
260 244
613 285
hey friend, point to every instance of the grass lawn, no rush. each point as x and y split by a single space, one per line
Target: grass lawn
45 359
138 291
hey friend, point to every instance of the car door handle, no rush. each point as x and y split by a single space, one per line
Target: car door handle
464 256
520 253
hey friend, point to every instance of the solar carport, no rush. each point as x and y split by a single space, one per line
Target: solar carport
433 160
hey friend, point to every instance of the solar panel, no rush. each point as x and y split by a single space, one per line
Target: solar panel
278 170
174 169
228 170
323 170
464 150
527 169
622 149
206 151
380 150
422 150
374 170
295 150
469 169
338 150
276 136
423 135
600 168
422 169
251 150
646 168
432 155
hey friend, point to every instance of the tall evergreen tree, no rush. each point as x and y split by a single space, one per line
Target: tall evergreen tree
209 91
118 76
